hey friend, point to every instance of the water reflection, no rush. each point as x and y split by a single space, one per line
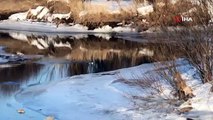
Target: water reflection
24 75
86 54
8 88
84 49
29 74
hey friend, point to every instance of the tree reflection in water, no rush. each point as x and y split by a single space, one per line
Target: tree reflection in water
85 55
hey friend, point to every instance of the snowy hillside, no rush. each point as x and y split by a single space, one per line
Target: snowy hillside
104 96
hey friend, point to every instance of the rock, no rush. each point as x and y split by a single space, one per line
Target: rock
185 109
49 118
21 111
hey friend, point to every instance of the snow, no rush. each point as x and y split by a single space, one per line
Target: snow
37 11
9 106
112 6
103 96
52 28
123 29
18 16
81 98
202 103
145 10
40 13
60 16
40 27
108 29
43 13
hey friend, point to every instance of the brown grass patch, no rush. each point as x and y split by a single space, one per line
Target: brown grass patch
19 5
98 14
8 7
164 15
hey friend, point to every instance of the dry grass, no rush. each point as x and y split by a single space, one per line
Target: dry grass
19 5
8 7
165 12
98 14
76 6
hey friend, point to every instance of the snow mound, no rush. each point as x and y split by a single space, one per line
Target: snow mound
108 29
202 103
40 13
18 16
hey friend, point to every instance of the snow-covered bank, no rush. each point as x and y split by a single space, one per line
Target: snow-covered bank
41 19
102 96
29 75
52 28
202 103
40 27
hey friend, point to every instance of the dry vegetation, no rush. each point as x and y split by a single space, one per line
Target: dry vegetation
95 15
8 7
165 11
195 44
19 5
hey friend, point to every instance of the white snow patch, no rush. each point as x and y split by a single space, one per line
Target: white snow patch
43 13
61 16
108 29
18 16
202 103
103 29
123 29
145 10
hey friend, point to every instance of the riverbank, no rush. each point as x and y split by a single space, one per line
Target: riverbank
9 7
106 96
